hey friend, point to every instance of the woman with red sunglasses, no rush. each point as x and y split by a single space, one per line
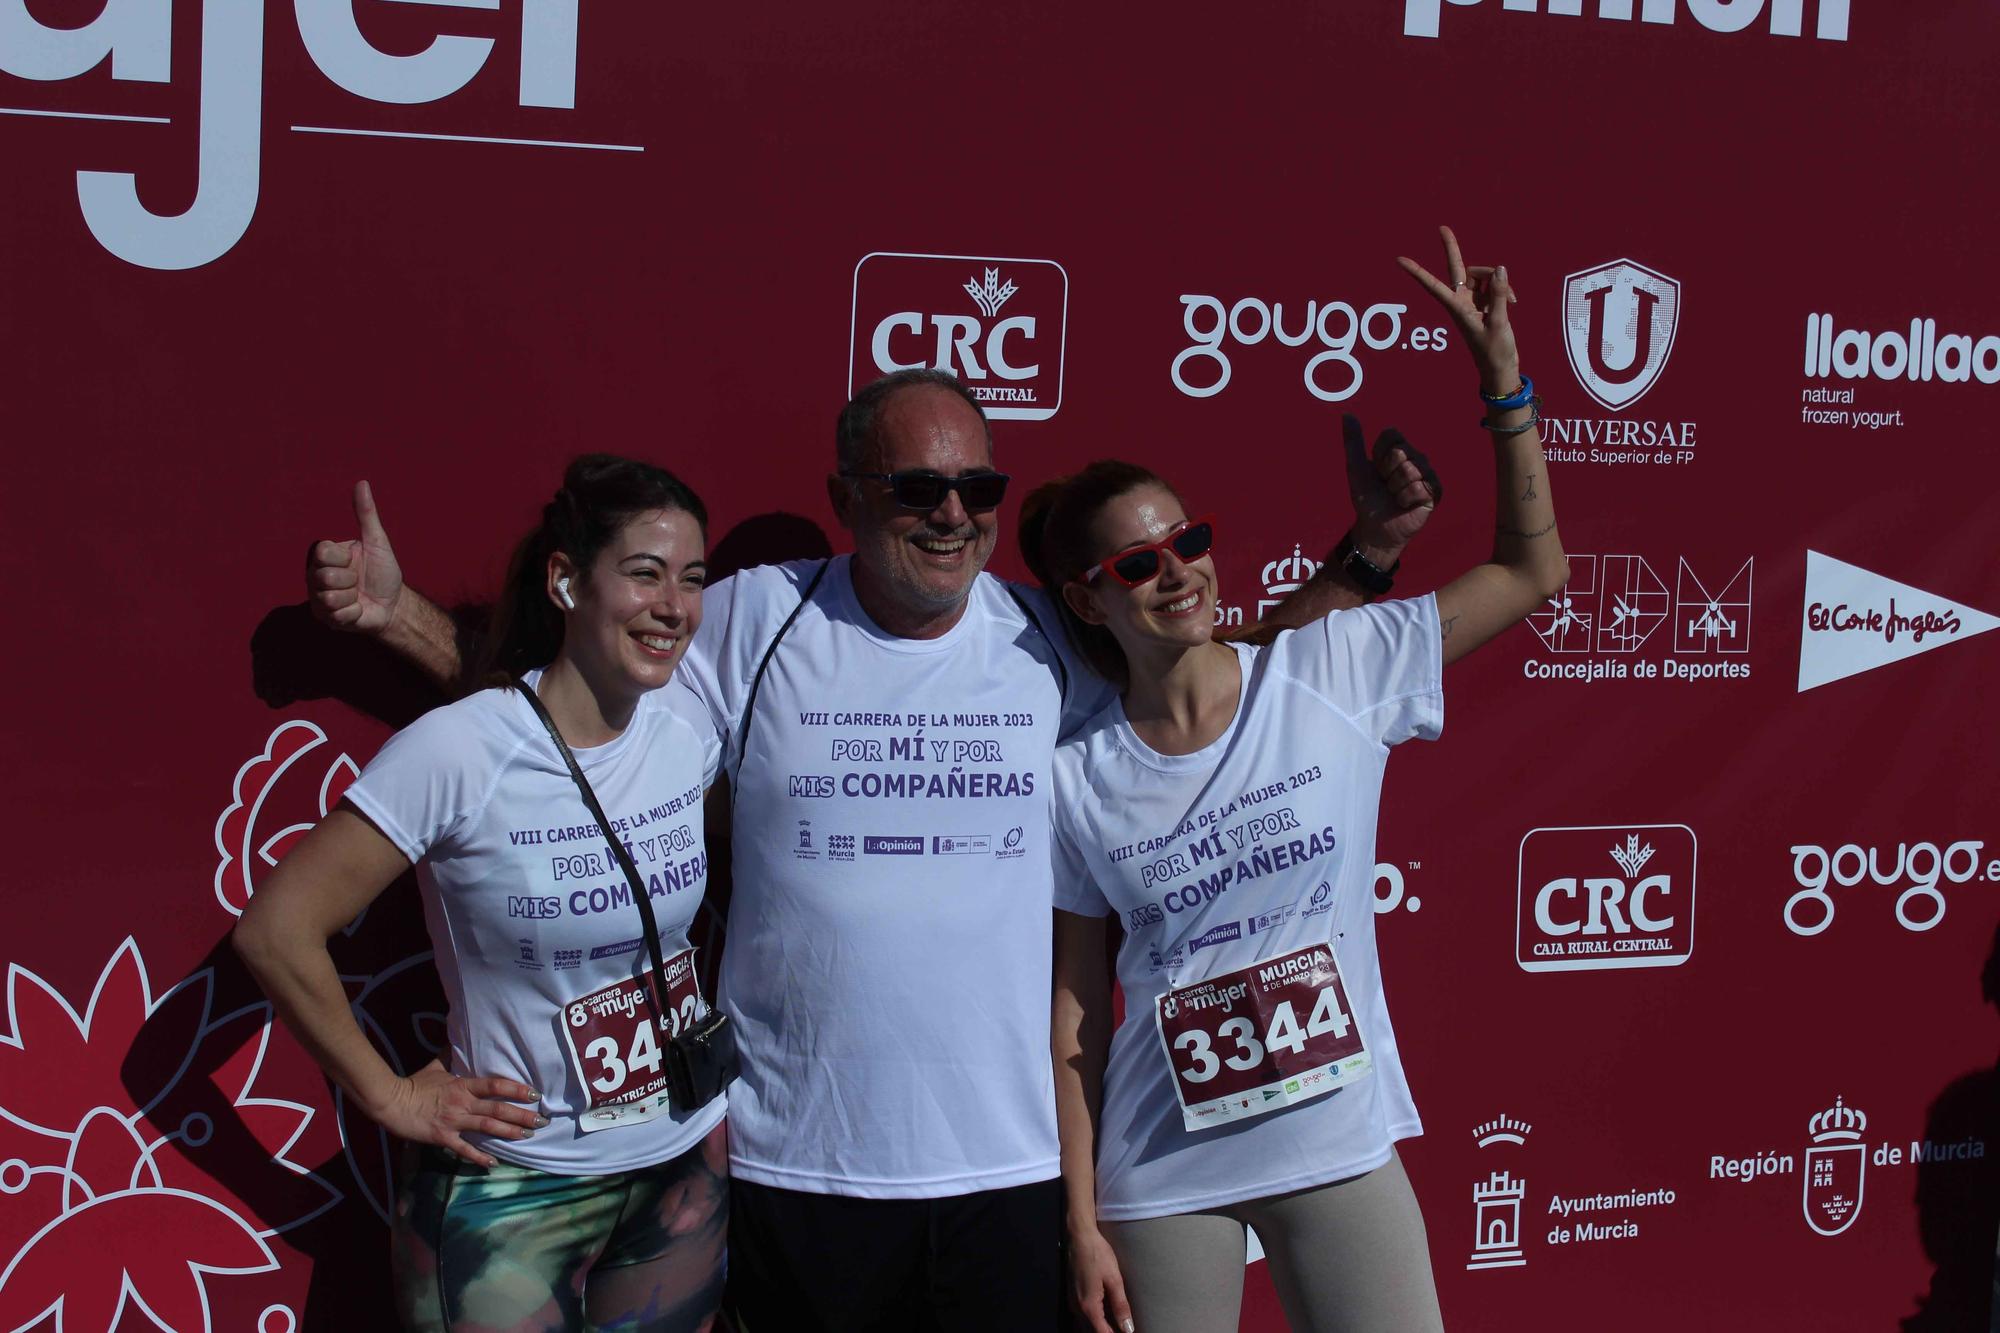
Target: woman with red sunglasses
1224 807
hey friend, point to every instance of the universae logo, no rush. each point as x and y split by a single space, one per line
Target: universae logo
1619 321
134 37
997 324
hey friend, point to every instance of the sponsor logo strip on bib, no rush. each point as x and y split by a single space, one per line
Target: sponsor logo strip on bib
615 1045
1260 1039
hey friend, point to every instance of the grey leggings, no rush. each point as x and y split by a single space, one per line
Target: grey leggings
1350 1257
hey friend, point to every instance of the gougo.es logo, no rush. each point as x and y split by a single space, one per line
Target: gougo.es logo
1331 375
1920 905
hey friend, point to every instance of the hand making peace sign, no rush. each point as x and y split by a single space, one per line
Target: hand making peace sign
1476 298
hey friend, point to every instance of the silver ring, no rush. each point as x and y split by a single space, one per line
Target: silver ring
1457 284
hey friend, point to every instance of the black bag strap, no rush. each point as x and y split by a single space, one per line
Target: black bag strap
1062 670
632 876
757 679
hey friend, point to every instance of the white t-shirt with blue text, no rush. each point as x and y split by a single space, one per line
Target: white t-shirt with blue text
888 957
1283 806
526 907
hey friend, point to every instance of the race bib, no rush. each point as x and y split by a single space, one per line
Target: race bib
615 1046
1261 1038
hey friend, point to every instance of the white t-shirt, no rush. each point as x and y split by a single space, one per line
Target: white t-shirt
889 930
527 909
1299 770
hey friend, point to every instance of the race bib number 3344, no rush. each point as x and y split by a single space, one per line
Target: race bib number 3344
616 1046
1261 1038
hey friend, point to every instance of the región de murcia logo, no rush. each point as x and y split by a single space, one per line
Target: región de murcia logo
1833 1184
1836 1169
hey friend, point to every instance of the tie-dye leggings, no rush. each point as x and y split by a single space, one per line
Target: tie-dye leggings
508 1249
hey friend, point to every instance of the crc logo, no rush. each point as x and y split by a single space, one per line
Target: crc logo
1573 914
997 324
131 39
1618 328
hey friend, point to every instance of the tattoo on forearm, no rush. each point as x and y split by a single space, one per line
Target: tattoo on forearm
1516 532
1444 630
1530 493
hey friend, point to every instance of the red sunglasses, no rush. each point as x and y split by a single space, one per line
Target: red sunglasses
1141 564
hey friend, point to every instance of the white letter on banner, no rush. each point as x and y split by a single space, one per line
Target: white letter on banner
1544 918
136 34
232 117
1786 14
548 53
344 55
885 360
996 350
1725 15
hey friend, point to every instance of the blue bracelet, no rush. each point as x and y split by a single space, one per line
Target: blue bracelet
1521 397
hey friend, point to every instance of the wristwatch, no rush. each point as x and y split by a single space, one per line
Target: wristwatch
1369 576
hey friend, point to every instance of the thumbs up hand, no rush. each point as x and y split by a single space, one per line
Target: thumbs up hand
353 585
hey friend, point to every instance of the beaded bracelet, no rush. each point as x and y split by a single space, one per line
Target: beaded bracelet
1534 406
1521 397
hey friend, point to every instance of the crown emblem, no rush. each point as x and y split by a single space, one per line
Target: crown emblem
1837 1122
1283 576
1501 1129
990 295
1631 857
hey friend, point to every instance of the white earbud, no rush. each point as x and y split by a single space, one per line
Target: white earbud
562 595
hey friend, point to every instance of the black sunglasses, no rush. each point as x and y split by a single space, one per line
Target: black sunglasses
927 490
1141 564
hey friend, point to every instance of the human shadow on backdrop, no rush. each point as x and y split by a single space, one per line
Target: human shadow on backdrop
385 958
1958 1201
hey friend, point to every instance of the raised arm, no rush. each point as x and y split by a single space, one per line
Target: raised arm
1079 1041
357 587
1527 566
321 885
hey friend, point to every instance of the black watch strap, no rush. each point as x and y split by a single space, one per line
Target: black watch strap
1370 577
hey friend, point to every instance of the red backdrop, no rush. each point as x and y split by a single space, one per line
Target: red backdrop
1706 861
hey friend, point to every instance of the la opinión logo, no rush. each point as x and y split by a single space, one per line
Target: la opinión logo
1420 17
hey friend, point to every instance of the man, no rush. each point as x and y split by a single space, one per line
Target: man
890 718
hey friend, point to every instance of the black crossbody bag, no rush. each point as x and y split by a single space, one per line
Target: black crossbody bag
701 1061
